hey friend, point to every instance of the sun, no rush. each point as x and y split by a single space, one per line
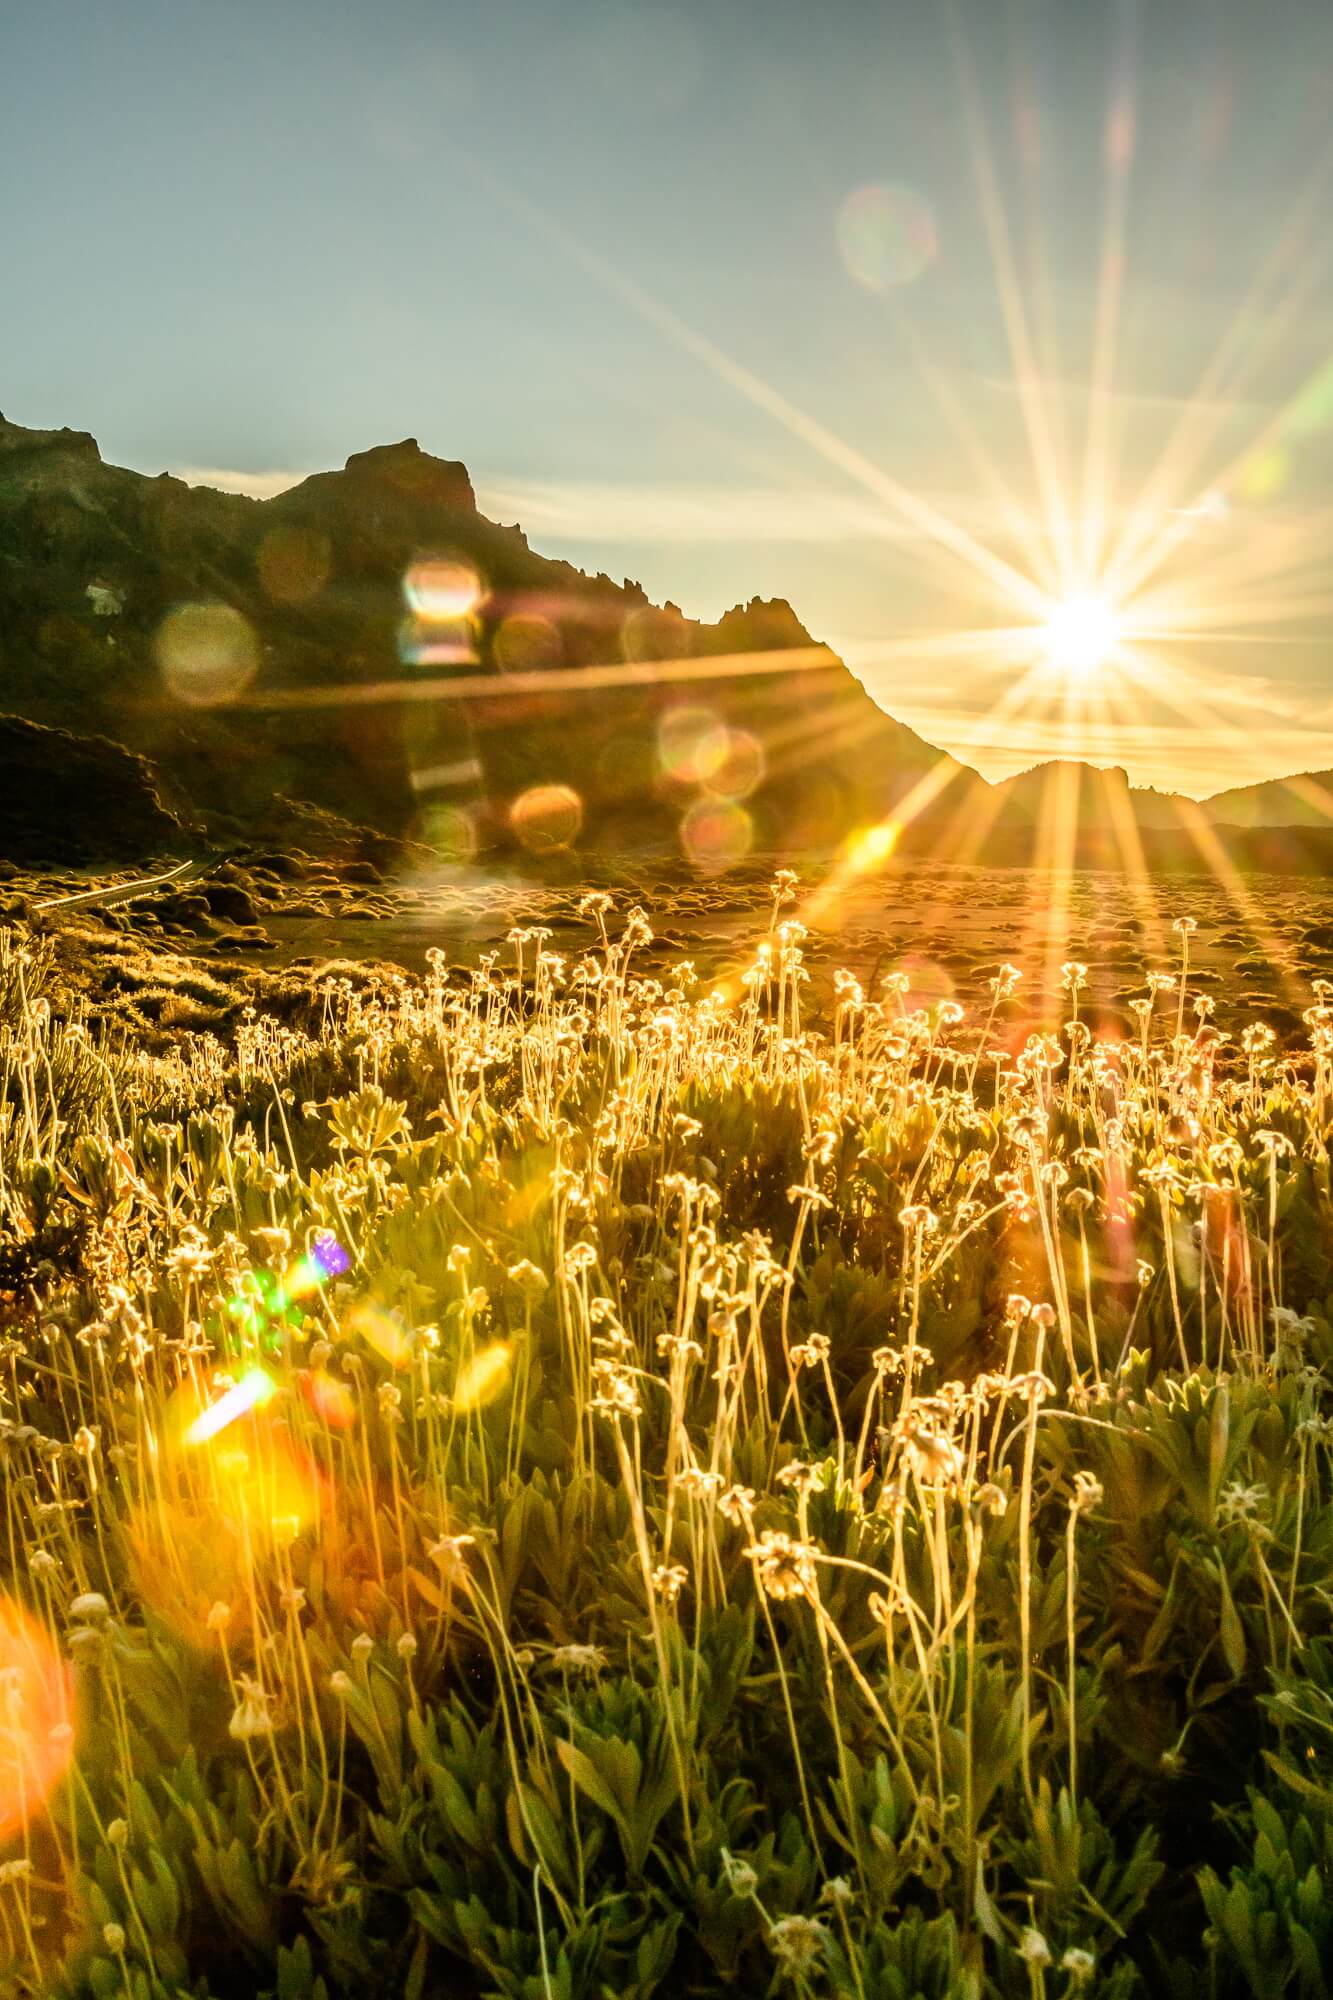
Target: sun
1080 635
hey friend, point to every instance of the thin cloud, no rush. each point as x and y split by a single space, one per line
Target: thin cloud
604 511
230 479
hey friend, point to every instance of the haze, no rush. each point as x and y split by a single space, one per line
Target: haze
851 305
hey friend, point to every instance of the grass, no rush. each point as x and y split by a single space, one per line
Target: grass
556 1483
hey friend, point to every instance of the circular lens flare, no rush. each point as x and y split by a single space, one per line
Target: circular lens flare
1080 635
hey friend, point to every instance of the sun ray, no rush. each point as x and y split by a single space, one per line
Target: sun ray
1098 459
940 532
1152 521
1145 670
1015 524
1009 290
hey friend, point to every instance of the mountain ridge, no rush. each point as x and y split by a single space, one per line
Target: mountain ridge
325 677
316 584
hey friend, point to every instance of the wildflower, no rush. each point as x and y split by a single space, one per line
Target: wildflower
785 1567
737 1505
798 1475
838 1893
798 1944
251 1717
113 1937
292 1599
1078 1963
448 1552
991 1499
1088 1492
15 1871
1033 1948
42 1563
90 1608
577 1659
405 1645
1241 1503
739 1876
669 1579
219 1618
362 1646
614 1392
932 1457
117 1832
340 1683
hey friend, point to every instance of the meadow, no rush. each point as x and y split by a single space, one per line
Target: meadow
553 1479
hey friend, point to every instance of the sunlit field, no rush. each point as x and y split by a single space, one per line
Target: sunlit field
553 1480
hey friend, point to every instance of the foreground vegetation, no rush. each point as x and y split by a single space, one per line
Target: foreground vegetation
552 1484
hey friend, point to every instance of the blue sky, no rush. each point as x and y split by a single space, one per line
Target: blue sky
604 253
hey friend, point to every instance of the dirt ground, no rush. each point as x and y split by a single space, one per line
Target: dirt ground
1258 946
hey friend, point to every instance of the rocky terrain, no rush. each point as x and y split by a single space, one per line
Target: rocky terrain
278 650
366 667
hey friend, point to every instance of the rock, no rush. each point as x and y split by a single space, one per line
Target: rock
72 798
226 900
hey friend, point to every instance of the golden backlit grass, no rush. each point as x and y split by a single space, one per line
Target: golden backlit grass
557 1482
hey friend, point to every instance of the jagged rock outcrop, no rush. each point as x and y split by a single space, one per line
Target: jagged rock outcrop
318 610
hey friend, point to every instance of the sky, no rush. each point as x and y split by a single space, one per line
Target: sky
926 317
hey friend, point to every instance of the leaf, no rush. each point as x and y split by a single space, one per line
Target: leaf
987 1916
1232 1631
589 1780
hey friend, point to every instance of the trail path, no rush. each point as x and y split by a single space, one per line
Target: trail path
126 892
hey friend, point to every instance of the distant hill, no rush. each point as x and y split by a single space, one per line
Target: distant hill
256 650
1306 800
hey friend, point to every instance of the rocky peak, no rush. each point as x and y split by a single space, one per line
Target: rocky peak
55 449
415 475
763 625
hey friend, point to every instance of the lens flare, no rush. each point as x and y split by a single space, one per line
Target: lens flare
384 1332
481 1380
887 236
36 1742
451 830
527 643
440 589
233 1489
206 654
546 818
741 770
692 745
254 1389
330 1400
716 834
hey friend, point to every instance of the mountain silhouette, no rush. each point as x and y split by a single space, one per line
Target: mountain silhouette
304 647
367 644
